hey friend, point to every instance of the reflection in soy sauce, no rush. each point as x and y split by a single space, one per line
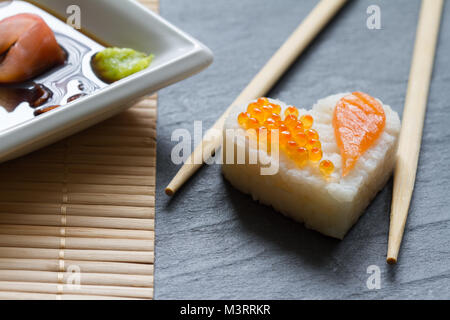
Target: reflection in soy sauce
69 80
58 86
34 94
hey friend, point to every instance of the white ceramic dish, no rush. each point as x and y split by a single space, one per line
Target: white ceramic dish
122 23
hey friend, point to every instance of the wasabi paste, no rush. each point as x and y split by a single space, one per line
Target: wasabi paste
113 64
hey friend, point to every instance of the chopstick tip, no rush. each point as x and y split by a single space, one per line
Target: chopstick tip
169 191
391 260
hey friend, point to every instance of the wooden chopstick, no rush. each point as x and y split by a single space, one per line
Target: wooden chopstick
261 84
413 118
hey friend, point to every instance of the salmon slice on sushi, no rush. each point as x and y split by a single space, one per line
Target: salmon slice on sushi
330 161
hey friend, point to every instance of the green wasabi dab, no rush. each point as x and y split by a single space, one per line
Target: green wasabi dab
113 64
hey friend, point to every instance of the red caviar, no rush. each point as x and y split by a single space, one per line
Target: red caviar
290 121
326 167
296 136
307 121
291 110
242 119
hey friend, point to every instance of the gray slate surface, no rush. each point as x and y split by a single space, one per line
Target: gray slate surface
214 242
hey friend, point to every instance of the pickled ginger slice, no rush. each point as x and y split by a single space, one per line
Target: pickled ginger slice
28 48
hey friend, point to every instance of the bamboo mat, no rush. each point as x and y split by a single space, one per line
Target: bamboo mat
77 218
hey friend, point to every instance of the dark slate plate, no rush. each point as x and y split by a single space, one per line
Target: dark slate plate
214 242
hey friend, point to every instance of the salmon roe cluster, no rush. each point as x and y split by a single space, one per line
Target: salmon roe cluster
296 136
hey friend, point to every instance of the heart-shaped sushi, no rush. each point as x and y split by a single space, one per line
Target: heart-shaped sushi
321 166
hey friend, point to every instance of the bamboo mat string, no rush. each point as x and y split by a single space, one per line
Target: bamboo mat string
62 245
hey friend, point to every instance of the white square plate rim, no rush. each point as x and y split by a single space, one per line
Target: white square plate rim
80 114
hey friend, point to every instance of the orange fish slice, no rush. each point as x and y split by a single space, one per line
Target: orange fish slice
358 121
28 46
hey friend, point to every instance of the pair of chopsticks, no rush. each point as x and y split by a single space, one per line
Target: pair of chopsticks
413 115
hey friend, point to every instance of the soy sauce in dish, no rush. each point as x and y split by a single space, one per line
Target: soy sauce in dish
58 86
34 95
